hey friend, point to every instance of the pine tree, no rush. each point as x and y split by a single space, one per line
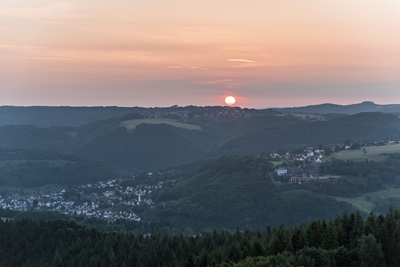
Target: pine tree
299 237
189 261
57 260
314 234
370 225
370 252
329 239
280 241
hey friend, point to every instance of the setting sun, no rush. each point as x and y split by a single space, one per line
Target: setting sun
230 100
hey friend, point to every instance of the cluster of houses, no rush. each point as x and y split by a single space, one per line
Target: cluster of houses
306 171
392 141
301 174
309 155
309 161
208 112
235 112
314 155
103 200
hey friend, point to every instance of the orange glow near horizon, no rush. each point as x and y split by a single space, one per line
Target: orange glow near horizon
268 52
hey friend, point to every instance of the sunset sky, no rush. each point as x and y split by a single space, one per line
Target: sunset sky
164 52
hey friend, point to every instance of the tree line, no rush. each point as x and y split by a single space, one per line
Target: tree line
347 240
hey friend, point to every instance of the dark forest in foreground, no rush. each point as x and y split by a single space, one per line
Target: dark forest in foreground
347 240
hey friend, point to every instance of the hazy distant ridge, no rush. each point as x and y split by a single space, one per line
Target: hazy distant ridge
366 106
43 116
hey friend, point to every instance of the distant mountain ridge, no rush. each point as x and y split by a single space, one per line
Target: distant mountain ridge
46 116
366 106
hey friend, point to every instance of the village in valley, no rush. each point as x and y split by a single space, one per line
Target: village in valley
303 168
298 168
110 200
125 198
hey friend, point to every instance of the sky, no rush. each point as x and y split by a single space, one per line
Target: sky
265 53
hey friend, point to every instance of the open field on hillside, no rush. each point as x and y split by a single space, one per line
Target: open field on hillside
367 201
371 153
131 124
61 162
277 163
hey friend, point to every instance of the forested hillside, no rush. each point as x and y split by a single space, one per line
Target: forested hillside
346 240
234 191
149 147
216 132
33 168
43 116
271 133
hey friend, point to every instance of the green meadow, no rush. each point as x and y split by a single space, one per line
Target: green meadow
376 153
277 163
366 202
131 124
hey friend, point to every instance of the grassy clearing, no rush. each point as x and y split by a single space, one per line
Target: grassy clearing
367 201
277 163
359 202
131 124
376 153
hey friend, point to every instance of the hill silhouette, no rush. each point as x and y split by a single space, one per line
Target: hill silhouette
45 116
366 106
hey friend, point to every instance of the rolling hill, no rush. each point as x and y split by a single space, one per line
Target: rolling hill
148 147
233 191
271 133
33 168
133 142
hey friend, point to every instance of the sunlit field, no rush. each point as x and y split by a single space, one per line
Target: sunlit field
371 153
131 124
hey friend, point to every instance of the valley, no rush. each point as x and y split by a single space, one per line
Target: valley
204 167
